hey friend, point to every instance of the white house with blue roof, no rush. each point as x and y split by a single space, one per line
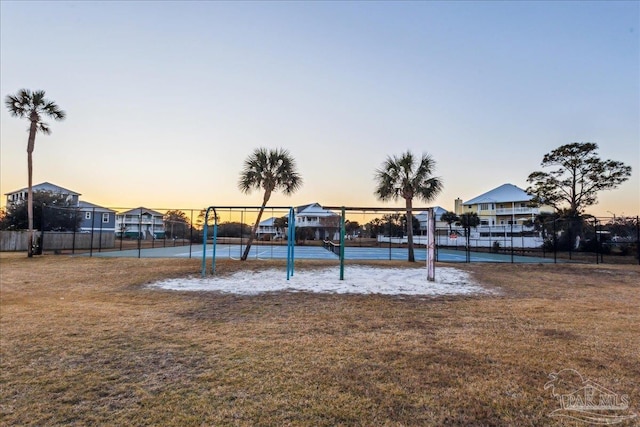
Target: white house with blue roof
504 214
504 205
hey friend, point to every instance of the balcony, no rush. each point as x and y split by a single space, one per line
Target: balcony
517 211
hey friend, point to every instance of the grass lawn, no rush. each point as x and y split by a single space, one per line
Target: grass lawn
85 342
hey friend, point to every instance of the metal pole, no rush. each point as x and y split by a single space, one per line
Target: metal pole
512 242
595 228
75 224
214 241
431 244
342 244
555 243
42 230
100 238
139 231
638 237
389 223
190 233
204 245
123 227
291 241
289 246
93 219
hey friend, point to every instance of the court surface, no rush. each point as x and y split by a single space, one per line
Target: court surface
318 252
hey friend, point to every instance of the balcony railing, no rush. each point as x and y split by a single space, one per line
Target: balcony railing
517 211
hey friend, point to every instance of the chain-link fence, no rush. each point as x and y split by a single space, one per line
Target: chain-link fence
142 232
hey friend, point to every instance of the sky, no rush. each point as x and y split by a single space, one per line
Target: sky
165 100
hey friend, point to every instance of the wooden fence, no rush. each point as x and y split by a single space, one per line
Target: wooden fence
56 240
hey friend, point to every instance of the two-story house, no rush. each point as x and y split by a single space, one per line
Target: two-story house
268 229
140 223
93 217
422 219
318 223
504 205
96 218
20 196
505 214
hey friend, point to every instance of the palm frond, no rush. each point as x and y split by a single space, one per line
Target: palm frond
34 105
269 170
44 128
399 176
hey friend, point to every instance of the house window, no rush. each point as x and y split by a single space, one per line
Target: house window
87 215
105 217
484 222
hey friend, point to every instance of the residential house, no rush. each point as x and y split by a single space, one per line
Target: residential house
140 223
20 196
96 218
502 206
268 230
93 217
314 222
422 218
505 214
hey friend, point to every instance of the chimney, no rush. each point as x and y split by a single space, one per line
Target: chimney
457 206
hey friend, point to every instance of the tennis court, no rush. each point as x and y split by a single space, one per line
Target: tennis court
318 252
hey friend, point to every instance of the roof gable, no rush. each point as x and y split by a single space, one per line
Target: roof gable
269 222
314 209
141 211
88 205
501 194
47 186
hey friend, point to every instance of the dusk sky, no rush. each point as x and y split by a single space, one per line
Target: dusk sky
165 100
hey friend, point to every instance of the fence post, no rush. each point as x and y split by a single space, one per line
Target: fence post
42 230
139 231
100 238
512 241
190 234
638 237
595 228
555 243
73 236
93 218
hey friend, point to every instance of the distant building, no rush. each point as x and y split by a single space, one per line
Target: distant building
140 223
20 196
504 205
318 223
422 218
267 230
93 217
96 218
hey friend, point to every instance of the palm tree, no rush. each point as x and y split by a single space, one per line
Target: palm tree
269 170
406 177
34 107
449 218
469 220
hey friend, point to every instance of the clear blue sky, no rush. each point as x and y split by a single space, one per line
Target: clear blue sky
165 100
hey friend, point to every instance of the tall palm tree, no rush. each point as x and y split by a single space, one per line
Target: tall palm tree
269 170
33 106
406 177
